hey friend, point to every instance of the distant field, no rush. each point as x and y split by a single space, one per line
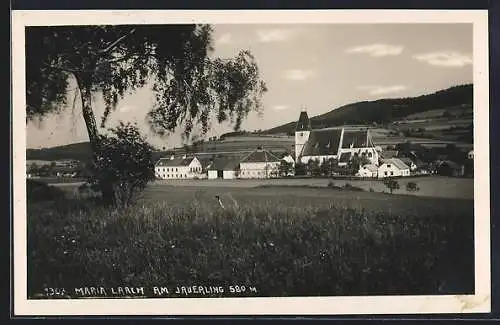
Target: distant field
435 186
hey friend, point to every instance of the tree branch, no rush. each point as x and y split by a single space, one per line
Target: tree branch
115 43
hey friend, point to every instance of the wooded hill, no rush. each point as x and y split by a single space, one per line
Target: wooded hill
386 110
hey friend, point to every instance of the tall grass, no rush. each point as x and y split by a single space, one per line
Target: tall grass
279 249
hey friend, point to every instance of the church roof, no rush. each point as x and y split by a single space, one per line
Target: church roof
323 142
304 124
354 139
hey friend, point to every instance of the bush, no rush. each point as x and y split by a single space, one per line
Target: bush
39 191
412 187
391 184
123 165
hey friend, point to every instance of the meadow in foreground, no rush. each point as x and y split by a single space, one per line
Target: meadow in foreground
303 242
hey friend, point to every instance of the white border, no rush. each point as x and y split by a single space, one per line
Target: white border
478 303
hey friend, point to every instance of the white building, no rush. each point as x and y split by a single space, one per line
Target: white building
259 164
337 143
368 170
393 167
223 168
178 168
408 162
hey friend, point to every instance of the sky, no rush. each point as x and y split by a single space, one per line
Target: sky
317 66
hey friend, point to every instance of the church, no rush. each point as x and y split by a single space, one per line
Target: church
339 143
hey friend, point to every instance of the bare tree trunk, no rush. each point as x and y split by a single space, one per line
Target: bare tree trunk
93 133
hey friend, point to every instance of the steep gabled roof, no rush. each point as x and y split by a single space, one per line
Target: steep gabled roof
176 162
406 160
355 139
323 142
224 164
260 155
396 162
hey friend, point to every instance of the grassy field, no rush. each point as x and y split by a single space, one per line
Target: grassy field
283 241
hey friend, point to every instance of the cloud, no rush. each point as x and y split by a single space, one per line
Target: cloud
377 50
383 90
224 39
274 35
444 59
298 74
280 107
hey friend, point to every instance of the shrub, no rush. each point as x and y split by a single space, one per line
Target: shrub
391 184
412 187
39 191
123 165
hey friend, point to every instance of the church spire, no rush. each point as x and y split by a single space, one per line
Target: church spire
304 124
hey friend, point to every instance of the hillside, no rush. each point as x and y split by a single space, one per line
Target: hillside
456 102
387 110
77 151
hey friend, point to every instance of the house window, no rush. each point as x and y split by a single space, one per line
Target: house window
176 170
185 176
388 166
385 173
392 173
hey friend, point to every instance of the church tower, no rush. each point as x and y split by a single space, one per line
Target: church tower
302 132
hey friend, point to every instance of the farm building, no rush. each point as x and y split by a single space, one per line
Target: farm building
368 170
393 167
225 168
408 162
259 164
449 168
178 168
324 144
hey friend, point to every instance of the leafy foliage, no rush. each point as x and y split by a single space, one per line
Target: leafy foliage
123 163
391 184
412 187
115 60
286 168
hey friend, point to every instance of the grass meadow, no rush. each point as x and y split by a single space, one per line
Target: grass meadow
282 241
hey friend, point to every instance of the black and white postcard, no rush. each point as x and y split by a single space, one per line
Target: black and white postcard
209 162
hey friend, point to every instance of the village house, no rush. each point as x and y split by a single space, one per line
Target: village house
259 163
449 168
408 162
368 170
337 143
178 168
393 167
223 168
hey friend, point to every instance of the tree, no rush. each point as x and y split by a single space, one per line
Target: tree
391 184
412 187
285 168
300 169
313 168
125 161
110 61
